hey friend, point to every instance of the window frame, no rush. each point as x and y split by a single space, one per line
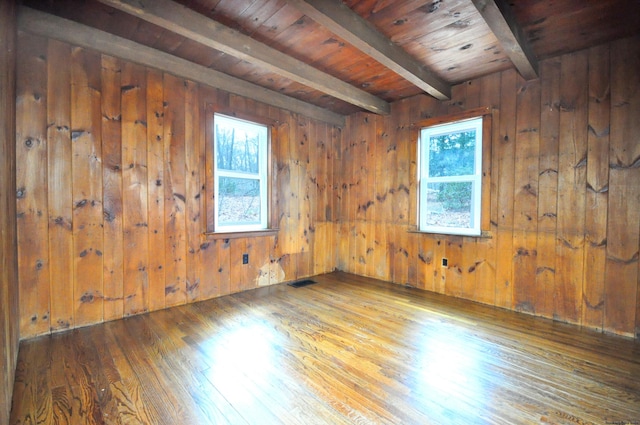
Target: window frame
213 230
486 114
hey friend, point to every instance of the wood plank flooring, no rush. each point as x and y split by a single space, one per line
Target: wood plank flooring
345 350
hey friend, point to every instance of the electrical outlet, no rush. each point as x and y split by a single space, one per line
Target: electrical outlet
245 258
445 262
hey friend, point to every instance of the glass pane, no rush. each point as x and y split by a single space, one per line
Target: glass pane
237 146
449 204
238 201
452 154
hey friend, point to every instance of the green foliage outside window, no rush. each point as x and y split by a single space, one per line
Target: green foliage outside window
455 196
452 154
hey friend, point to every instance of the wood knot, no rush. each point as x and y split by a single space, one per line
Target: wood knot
87 297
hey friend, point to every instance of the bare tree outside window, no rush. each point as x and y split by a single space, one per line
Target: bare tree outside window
240 174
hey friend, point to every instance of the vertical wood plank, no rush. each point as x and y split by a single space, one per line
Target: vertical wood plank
60 184
453 272
112 188
548 187
174 191
31 183
505 146
9 289
237 270
371 211
223 266
317 167
134 194
350 196
301 147
623 239
155 188
400 190
341 167
486 267
86 123
192 192
359 191
294 232
335 154
259 262
208 248
572 168
385 155
525 222
597 198
209 280
407 190
284 241
470 93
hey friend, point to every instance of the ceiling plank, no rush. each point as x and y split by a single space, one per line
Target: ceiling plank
188 23
355 30
498 16
51 26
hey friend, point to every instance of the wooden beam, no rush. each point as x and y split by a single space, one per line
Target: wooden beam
47 25
355 30
498 16
188 23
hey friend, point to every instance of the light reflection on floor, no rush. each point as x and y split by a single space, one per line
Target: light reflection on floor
450 374
240 357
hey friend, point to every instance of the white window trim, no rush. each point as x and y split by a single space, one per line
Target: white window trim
262 175
475 178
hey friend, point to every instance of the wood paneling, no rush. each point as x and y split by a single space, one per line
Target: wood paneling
564 193
86 181
112 188
9 309
623 216
31 185
117 151
562 222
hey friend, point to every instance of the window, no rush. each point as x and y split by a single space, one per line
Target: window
240 175
450 177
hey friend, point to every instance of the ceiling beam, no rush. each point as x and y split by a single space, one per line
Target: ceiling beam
194 26
51 26
357 31
498 16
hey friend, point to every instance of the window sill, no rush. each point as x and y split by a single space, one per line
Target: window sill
483 235
237 235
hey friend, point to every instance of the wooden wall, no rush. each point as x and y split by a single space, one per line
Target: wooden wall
9 331
111 198
565 194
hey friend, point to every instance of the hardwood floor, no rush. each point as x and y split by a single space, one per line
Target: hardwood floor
345 350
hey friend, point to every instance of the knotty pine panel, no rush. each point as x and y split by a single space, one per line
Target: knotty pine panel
86 182
597 186
31 185
112 188
564 220
547 187
59 177
623 241
9 308
118 152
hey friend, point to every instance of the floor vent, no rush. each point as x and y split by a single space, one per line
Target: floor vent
301 283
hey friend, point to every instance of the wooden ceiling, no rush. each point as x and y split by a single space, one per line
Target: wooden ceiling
345 56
